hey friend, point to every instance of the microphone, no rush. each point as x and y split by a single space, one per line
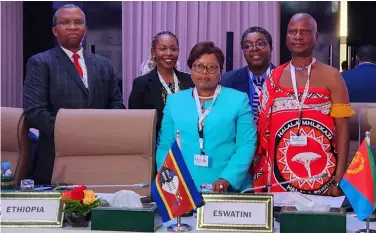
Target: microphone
319 176
105 186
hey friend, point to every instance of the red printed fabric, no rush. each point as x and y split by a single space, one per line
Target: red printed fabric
276 160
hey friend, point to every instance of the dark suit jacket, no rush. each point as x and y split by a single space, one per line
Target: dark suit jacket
361 83
147 92
239 80
52 82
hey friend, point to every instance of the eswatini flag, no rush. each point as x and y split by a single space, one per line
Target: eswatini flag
358 183
173 189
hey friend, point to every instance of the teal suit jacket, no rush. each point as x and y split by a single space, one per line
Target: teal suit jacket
229 136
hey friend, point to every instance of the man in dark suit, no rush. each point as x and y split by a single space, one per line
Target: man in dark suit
257 46
361 81
65 77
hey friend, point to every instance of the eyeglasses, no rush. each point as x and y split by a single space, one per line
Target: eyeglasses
199 68
257 45
75 23
165 50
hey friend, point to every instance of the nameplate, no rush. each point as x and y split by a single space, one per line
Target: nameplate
31 209
236 212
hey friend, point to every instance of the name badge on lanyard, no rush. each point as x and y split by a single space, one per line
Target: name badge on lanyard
202 159
165 86
300 140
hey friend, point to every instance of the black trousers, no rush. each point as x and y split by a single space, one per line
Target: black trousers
44 161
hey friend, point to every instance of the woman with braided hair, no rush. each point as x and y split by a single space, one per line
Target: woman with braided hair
160 76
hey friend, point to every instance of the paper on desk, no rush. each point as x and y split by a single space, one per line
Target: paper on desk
286 199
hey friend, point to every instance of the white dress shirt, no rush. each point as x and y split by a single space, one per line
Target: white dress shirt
81 61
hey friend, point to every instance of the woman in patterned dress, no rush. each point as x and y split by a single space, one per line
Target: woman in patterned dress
303 125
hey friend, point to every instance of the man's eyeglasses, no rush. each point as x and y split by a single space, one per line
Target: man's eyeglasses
258 45
75 23
166 50
199 68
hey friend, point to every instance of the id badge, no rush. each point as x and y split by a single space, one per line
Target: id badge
298 140
201 160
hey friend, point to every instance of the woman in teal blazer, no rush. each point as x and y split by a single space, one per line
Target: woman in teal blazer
219 117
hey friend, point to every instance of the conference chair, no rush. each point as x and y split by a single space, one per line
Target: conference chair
354 120
15 142
105 147
354 128
367 122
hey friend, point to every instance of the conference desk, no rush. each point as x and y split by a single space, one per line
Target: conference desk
352 225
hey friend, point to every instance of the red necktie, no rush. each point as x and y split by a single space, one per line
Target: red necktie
77 65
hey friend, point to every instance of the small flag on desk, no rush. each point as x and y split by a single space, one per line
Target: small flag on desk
173 189
358 183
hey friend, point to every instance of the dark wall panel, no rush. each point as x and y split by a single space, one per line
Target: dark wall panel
361 23
37 29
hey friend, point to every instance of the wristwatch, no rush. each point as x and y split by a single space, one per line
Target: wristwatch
335 183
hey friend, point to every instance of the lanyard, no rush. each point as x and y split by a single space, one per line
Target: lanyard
250 74
164 84
305 93
203 115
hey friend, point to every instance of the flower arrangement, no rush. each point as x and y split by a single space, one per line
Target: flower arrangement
79 200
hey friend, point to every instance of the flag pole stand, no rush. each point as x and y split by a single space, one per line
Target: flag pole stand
180 227
367 230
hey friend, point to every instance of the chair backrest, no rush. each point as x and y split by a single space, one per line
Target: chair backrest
354 120
97 146
15 142
367 122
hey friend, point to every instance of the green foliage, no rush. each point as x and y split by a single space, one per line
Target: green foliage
79 208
